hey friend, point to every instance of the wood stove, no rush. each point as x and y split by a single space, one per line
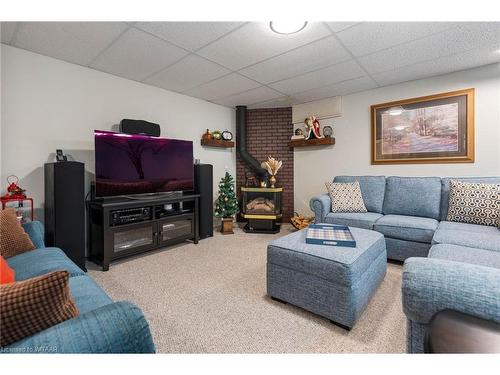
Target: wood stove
262 208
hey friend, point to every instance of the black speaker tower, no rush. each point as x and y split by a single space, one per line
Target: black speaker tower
65 209
203 182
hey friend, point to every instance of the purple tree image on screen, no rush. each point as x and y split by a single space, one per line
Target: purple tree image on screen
137 164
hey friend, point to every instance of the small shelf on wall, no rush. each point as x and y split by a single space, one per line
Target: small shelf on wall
217 143
312 142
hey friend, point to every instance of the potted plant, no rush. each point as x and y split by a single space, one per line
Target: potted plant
226 205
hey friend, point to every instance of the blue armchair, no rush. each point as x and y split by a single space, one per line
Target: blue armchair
432 285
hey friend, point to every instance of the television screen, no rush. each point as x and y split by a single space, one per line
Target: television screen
128 164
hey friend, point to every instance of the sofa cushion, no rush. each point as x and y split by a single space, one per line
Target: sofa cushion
402 249
13 239
413 196
445 189
410 228
474 203
36 232
346 197
7 274
465 254
33 305
372 190
87 294
356 219
471 235
41 261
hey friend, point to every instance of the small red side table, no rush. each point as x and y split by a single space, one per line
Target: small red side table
20 206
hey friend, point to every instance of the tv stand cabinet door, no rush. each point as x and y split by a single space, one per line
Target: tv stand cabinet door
130 239
176 229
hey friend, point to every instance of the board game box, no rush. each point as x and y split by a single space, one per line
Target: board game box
330 235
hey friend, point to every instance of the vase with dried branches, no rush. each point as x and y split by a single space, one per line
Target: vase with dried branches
272 166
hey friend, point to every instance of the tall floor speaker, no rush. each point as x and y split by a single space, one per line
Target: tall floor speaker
65 209
203 182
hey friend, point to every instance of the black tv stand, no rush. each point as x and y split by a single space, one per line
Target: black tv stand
120 227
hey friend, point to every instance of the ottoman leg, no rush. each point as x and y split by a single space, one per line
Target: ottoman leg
341 325
279 300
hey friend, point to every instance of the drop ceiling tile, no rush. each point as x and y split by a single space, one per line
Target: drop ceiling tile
442 65
463 38
282 101
369 37
7 31
136 55
222 87
76 42
319 78
187 73
255 42
339 26
316 55
189 35
342 88
259 94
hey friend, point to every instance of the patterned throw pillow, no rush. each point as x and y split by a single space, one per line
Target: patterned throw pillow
32 305
474 203
346 197
13 238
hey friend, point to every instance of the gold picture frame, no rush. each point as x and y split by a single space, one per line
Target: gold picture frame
429 129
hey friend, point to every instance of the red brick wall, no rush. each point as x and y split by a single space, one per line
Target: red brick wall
268 134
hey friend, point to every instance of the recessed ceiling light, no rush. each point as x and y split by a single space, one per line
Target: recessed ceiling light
287 27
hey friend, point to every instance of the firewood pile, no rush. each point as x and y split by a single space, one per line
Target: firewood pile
260 205
301 222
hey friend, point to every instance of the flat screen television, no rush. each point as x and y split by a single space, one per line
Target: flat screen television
128 164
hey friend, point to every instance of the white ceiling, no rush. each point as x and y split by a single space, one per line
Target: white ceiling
231 63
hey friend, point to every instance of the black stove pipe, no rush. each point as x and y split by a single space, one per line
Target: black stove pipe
241 142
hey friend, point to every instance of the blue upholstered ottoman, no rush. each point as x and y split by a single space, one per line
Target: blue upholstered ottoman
332 281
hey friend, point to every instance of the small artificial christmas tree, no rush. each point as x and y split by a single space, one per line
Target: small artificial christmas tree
226 205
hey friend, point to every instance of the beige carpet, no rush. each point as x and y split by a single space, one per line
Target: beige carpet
211 298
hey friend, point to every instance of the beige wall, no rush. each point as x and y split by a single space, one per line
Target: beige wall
351 153
49 104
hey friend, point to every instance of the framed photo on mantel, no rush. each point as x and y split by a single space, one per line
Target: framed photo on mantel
430 129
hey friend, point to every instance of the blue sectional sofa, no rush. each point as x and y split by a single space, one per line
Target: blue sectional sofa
453 266
103 326
411 214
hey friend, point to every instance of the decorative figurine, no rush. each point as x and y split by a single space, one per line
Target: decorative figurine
298 134
13 189
207 135
250 180
312 128
216 134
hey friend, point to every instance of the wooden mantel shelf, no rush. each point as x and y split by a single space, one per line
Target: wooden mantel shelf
312 142
217 143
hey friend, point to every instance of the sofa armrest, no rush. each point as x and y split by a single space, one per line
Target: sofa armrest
321 205
432 285
35 230
119 327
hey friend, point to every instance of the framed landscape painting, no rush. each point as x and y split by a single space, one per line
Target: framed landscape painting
430 129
